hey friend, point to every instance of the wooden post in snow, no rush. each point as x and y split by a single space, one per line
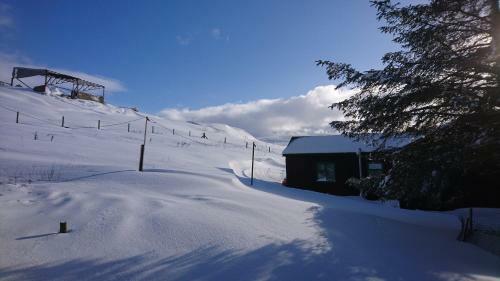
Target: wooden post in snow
253 156
128 128
145 130
63 227
98 124
62 122
141 156
17 117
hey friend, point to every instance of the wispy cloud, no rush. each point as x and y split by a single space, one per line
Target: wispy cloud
184 40
6 20
298 115
217 34
8 61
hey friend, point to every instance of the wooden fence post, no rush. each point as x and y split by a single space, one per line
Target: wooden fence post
145 129
253 154
128 128
173 131
17 117
141 158
98 124
62 122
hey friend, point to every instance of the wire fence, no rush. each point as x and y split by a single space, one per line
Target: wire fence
156 129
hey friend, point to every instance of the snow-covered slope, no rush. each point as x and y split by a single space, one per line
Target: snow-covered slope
191 215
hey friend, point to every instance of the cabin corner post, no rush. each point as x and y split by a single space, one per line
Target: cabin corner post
360 163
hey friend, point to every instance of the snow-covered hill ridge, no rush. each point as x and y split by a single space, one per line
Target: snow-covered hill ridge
82 114
191 215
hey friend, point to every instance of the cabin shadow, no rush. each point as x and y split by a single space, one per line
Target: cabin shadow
279 189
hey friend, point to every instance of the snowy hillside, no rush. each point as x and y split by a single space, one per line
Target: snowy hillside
191 215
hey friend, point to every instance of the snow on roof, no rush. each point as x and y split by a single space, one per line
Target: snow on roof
328 144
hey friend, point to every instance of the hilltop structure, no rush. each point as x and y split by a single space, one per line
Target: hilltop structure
80 88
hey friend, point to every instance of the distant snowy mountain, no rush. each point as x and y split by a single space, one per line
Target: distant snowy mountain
279 140
192 214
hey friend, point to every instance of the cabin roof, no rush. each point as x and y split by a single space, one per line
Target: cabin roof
331 144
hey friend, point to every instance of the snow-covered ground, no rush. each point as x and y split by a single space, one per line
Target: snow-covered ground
192 215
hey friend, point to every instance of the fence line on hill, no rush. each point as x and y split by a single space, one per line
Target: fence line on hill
224 141
51 122
178 133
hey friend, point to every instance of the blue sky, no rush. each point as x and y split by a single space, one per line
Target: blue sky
194 54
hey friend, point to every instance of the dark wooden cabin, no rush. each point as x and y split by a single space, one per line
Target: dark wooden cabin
325 163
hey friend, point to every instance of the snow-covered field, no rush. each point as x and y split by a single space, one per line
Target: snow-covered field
192 215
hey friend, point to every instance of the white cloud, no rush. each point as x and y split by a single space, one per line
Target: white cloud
8 61
299 115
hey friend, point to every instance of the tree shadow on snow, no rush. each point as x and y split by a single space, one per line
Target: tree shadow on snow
289 261
370 248
381 247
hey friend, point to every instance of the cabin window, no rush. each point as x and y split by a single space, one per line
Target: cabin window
325 172
374 168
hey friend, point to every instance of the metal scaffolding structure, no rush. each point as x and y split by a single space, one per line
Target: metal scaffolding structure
79 87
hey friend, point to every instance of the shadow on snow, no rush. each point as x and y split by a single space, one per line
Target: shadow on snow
369 248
